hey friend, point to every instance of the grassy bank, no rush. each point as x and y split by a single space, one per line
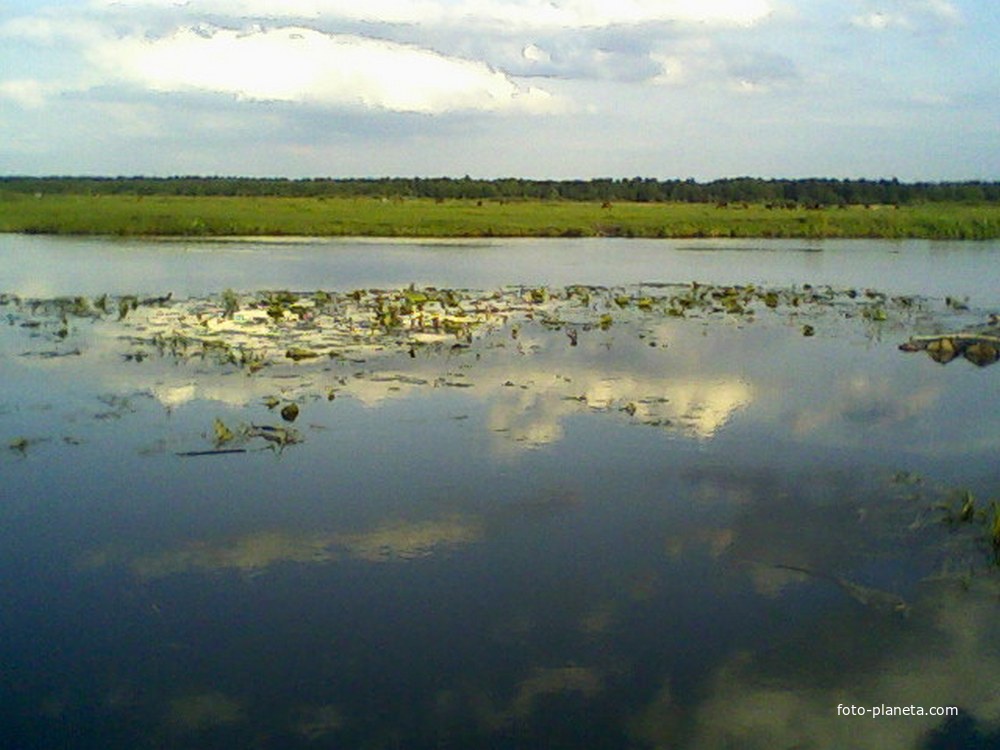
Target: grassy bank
128 215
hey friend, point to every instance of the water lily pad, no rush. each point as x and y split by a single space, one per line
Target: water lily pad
223 434
981 353
942 350
297 354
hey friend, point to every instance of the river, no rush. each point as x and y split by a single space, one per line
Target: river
577 502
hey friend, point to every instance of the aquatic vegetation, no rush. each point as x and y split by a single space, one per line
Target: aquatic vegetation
994 530
230 303
566 589
223 434
297 354
322 349
126 304
979 345
118 406
227 440
876 313
20 445
968 510
278 437
982 353
379 322
907 477
884 602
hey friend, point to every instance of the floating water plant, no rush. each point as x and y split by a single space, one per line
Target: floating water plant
994 530
968 510
876 313
277 436
126 304
363 324
223 434
979 345
230 303
982 353
19 445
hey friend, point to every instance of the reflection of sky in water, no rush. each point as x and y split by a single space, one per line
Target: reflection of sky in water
520 544
46 266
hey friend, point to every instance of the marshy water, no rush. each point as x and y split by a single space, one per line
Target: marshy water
504 494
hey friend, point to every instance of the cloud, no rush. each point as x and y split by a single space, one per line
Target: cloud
761 68
26 92
422 56
48 27
535 54
907 15
516 14
703 62
297 64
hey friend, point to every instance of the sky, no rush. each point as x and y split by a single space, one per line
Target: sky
559 89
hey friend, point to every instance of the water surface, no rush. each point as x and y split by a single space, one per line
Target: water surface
549 529
48 266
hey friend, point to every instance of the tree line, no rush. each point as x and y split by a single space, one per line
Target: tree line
777 192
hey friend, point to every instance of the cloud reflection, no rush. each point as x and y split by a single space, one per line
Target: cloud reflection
946 659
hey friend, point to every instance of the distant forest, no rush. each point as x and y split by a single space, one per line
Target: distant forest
809 192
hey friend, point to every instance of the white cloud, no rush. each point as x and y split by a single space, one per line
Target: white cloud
672 70
47 27
311 51
26 92
296 64
907 15
702 62
535 54
555 14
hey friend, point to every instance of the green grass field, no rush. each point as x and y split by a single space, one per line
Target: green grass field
128 215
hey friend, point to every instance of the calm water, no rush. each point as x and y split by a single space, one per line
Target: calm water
46 266
533 540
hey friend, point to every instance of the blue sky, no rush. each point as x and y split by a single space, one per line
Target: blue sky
490 88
